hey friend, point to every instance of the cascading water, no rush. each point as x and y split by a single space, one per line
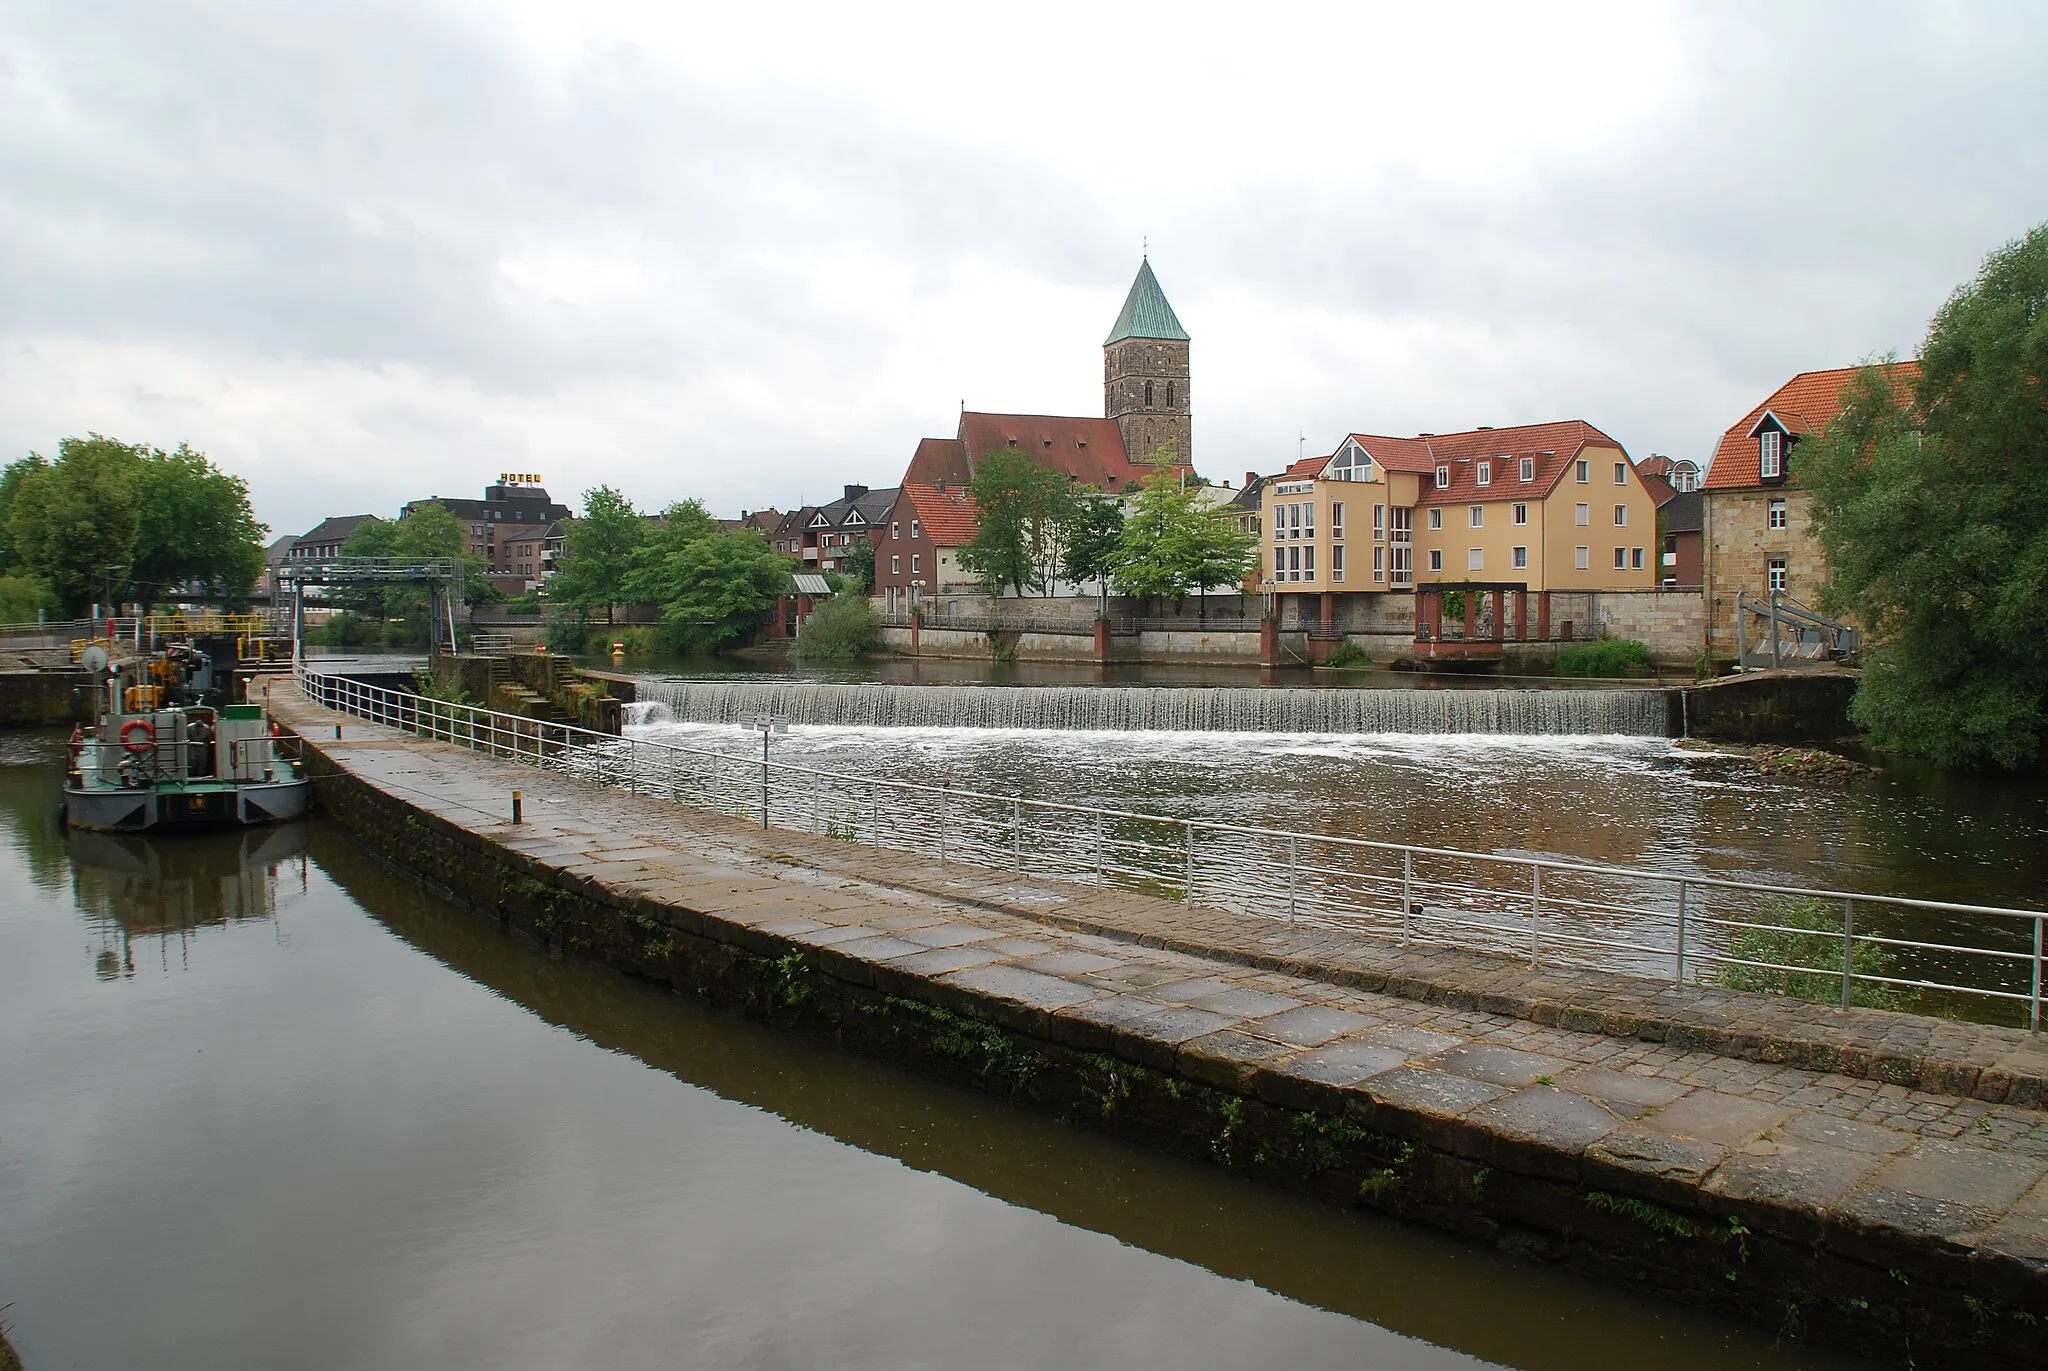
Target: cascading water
1163 708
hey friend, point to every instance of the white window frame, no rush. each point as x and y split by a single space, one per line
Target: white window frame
1582 559
1475 559
1483 473
1635 559
1582 516
1443 478
1436 518
1521 515
1528 469
1477 515
895 530
1337 562
1336 518
1770 454
1621 559
1379 564
916 563
1621 516
1436 559
895 564
916 529
1379 521
1583 472
1777 574
1521 559
1621 473
1778 514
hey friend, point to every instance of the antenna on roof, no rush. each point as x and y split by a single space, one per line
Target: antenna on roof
1145 249
1301 450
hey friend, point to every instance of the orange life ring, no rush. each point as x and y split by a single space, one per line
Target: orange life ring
148 735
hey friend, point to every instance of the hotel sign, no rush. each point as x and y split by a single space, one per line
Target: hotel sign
518 478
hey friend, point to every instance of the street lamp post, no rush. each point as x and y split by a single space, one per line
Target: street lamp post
767 725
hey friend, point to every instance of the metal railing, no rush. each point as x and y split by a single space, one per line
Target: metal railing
1686 927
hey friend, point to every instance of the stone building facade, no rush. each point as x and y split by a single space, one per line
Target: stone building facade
1756 523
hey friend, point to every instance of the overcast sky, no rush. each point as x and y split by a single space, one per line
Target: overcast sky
371 251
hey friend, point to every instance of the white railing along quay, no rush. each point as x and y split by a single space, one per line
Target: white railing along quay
1685 927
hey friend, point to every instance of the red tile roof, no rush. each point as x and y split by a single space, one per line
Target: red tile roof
1553 446
1089 450
1807 403
938 459
948 515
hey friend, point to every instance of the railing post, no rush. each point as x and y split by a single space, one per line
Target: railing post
1017 835
764 778
1535 912
1848 949
2034 1007
1407 883
1678 974
1292 857
1187 887
944 810
1100 839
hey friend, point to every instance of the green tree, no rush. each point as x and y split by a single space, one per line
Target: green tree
10 482
1093 536
23 598
859 564
714 590
600 552
649 580
73 521
1173 541
1024 510
1933 512
195 524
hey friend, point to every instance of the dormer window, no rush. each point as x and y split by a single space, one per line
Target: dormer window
1443 478
1771 454
1483 472
1528 472
1352 463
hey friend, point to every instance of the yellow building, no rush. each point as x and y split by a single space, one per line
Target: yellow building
1511 512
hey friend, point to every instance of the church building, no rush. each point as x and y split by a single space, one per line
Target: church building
1145 416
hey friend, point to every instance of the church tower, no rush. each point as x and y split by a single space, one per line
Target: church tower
1145 374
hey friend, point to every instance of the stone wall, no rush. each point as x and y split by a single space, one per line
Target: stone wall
31 698
1634 1214
1772 707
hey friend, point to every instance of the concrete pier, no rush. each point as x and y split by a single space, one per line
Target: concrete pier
1876 1181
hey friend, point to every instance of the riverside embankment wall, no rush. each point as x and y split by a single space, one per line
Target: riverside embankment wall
1691 1173
30 698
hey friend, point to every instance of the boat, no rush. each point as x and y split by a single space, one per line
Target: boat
167 753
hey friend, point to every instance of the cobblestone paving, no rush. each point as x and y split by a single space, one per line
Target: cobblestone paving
1937 1167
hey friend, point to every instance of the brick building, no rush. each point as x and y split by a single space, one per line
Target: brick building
1755 521
917 547
506 527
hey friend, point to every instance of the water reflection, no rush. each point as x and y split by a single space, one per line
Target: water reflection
398 1138
161 892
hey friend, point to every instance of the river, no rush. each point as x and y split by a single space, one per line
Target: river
268 1104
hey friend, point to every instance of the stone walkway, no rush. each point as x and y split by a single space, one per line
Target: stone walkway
1566 1063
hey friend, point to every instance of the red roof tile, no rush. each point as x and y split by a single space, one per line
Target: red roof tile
948 515
938 459
1552 446
1807 403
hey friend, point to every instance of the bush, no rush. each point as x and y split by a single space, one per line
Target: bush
1603 657
1348 653
21 597
841 629
1821 949
567 631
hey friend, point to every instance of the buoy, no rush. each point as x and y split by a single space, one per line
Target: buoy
148 731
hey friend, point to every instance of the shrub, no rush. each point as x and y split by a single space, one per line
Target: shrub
21 597
1603 657
1819 946
1348 653
841 629
567 631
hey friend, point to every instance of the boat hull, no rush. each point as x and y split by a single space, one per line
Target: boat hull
122 810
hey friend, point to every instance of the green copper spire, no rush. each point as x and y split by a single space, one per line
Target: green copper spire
1146 313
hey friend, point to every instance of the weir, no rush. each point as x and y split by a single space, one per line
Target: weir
1219 709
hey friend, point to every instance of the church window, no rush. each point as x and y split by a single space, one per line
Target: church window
1148 395
1169 395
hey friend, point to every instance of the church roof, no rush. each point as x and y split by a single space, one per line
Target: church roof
1146 313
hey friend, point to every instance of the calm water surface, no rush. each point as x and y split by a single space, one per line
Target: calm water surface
266 1104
